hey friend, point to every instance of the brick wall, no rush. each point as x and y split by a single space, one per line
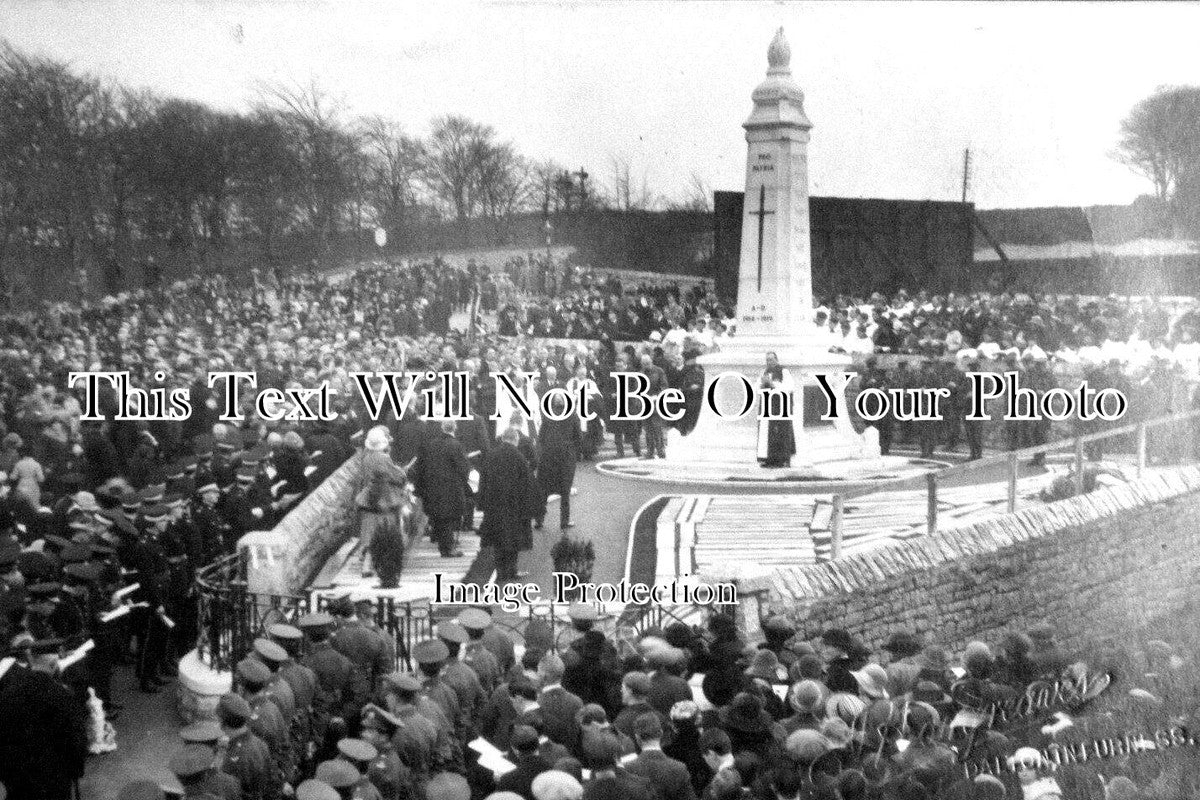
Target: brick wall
1093 566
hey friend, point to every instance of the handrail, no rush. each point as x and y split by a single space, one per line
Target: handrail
1011 460
231 616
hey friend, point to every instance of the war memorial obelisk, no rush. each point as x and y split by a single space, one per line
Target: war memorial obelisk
774 307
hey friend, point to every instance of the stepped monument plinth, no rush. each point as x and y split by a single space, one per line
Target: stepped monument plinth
774 305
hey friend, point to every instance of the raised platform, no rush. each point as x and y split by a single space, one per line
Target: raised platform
826 476
343 573
706 534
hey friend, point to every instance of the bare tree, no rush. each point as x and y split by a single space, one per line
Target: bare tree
327 153
504 183
452 156
544 193
270 182
629 192
696 196
52 129
393 163
1160 139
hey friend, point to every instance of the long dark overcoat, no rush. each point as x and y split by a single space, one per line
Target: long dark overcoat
508 497
558 442
442 474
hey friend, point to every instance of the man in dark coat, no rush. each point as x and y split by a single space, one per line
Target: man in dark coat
669 776
441 480
524 744
328 453
508 497
101 460
476 440
43 741
558 443
690 381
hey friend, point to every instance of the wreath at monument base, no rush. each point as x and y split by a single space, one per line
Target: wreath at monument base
576 557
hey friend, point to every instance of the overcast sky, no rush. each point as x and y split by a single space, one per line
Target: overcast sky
895 91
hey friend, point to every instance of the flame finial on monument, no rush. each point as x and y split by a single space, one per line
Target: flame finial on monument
779 54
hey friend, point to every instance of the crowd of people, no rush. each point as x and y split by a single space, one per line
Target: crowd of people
673 713
104 523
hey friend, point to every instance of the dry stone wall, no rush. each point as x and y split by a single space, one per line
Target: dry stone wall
1094 566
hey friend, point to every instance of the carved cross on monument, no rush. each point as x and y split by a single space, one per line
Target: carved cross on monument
762 215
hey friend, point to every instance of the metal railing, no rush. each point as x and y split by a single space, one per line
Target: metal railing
1011 461
232 617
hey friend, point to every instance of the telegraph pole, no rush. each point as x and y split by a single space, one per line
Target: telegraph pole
966 173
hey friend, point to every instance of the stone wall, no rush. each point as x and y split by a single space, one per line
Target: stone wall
1093 566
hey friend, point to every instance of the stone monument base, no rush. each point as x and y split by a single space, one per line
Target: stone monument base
200 689
735 438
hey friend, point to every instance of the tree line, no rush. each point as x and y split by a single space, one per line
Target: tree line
103 177
1160 140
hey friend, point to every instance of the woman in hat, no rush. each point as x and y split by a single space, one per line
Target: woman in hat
379 502
844 654
28 476
750 727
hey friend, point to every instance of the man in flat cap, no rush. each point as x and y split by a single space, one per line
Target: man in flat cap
523 746
601 749
667 685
